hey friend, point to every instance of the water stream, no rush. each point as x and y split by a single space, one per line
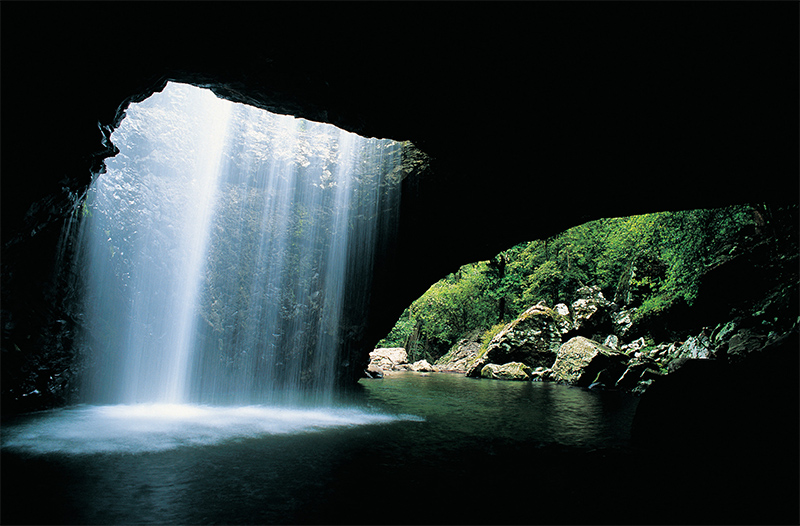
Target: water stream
217 250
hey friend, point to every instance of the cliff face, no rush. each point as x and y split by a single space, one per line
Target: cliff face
535 117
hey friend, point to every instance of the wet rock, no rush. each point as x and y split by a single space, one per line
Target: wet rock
564 321
612 342
591 312
532 339
422 366
622 321
388 358
580 361
457 358
743 343
634 373
508 371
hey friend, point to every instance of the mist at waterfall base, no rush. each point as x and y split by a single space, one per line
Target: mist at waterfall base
475 451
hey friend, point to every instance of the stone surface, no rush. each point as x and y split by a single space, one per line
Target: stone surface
507 371
388 358
634 346
564 322
635 368
532 339
422 366
694 348
581 360
622 321
591 312
743 343
456 359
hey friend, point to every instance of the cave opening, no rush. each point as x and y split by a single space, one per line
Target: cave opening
435 428
614 111
221 258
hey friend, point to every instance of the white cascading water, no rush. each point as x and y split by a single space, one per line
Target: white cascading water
216 253
219 243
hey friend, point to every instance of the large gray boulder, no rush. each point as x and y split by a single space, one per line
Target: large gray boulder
508 371
591 311
457 358
388 358
532 339
580 361
422 366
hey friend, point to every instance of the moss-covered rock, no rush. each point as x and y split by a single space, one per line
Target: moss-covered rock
532 339
460 355
508 371
580 360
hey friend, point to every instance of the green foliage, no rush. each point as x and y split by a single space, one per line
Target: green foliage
487 336
685 243
400 333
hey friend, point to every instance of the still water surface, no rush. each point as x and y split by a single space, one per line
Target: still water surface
407 449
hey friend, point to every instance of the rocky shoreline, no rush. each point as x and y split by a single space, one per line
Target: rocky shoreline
598 343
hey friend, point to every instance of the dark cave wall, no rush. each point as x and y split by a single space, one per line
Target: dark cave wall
536 117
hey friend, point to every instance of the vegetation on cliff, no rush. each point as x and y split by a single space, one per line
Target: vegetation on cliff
671 252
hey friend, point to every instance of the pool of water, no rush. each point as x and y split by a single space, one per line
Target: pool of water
408 448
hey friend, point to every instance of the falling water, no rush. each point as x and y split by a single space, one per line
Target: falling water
218 249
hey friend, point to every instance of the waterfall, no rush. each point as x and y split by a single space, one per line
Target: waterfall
225 250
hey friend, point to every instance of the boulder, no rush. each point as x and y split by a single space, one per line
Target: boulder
612 341
744 342
456 359
635 371
388 358
723 332
591 312
541 374
694 348
634 346
564 319
580 361
622 321
421 366
508 371
532 339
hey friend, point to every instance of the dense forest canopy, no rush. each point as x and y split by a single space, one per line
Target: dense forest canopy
675 246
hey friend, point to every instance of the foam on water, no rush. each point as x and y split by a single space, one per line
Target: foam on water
141 428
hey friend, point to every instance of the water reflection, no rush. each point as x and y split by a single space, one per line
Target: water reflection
531 411
466 436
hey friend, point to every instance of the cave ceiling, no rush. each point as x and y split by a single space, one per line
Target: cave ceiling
537 116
